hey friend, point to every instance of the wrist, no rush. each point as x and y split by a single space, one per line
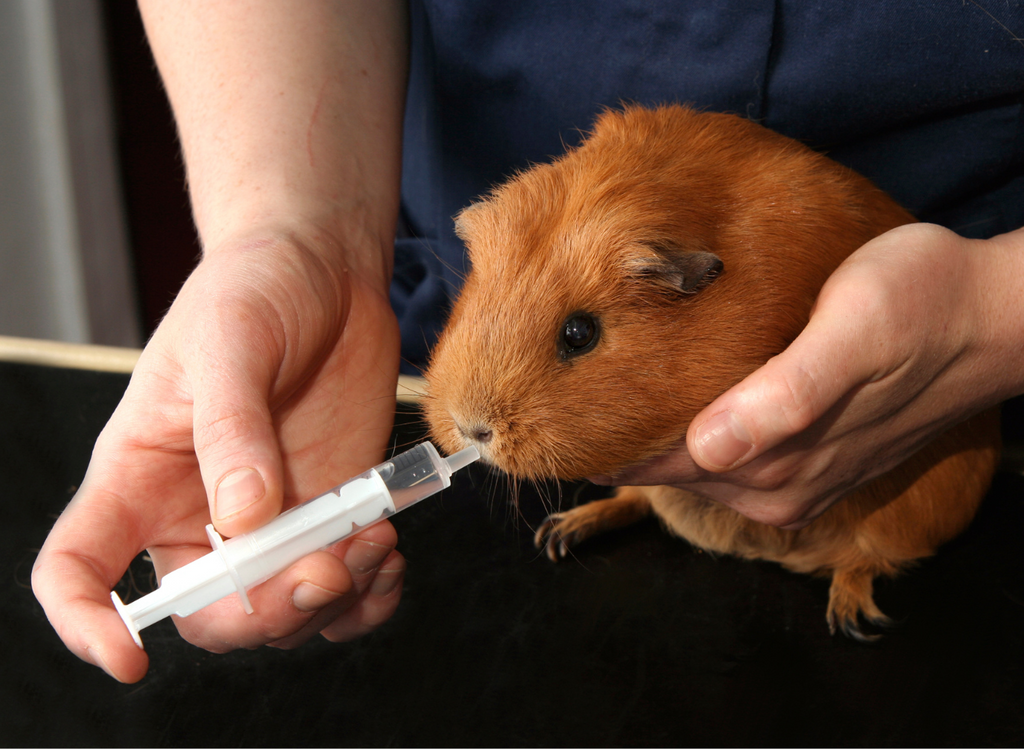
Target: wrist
337 254
998 286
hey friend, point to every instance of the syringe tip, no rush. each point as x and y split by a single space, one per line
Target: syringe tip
463 458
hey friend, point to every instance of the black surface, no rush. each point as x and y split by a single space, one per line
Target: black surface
639 640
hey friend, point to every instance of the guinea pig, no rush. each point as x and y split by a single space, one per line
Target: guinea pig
618 290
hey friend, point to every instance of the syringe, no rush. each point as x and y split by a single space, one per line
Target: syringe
248 560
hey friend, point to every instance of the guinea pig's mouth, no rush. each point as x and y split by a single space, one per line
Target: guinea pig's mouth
494 451
486 454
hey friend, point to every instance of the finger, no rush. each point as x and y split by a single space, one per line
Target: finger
83 558
376 605
674 467
364 553
294 605
233 432
365 556
369 603
784 509
782 398
282 606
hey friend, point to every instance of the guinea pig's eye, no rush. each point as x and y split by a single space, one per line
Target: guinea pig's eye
579 333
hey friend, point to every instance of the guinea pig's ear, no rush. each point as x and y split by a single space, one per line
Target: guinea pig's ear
685 271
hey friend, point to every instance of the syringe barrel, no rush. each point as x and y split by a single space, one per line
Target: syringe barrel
319 522
362 501
415 475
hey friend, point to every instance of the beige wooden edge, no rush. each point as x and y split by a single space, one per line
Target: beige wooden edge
114 359
411 389
70 355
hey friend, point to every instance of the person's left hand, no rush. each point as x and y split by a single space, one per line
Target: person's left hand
915 332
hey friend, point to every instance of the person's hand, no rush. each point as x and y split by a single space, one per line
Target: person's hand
916 331
271 379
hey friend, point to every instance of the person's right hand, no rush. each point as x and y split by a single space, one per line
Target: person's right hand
271 379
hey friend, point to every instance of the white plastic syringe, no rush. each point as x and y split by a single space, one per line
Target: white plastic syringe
247 560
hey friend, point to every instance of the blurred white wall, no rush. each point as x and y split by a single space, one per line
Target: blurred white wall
65 271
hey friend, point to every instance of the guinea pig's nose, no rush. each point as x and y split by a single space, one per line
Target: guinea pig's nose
481 435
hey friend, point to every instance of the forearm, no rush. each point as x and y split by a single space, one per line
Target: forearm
290 117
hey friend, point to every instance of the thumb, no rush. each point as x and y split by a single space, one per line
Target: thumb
780 400
235 442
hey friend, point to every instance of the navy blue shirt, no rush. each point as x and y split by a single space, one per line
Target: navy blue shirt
924 97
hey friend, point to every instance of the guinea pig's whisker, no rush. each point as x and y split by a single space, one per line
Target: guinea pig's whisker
496 497
397 446
544 492
427 345
418 367
460 274
580 488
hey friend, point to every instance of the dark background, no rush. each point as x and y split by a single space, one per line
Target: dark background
163 238
638 640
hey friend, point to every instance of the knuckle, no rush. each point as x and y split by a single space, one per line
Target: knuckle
870 304
226 636
771 479
794 394
344 630
770 473
210 641
273 631
777 515
288 643
215 428
222 430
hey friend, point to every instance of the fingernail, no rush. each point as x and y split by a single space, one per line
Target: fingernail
363 556
310 597
97 660
723 440
386 581
238 490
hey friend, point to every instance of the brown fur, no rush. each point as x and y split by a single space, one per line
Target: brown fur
599 230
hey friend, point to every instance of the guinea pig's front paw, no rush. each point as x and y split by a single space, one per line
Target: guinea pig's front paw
561 531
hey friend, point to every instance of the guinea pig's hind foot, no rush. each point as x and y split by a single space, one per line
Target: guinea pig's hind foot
561 531
850 600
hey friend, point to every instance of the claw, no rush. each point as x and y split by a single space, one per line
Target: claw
548 538
562 531
852 630
851 627
545 529
881 621
552 553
